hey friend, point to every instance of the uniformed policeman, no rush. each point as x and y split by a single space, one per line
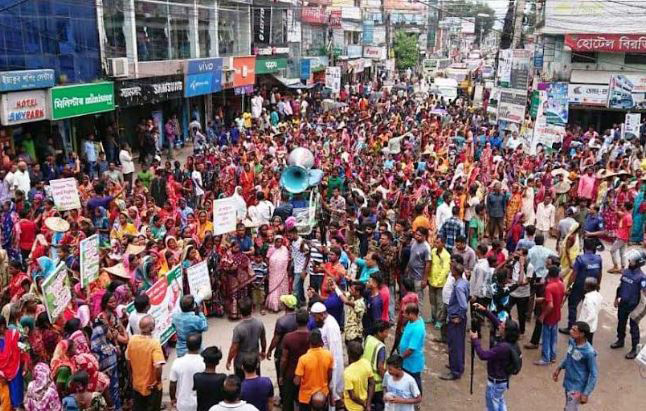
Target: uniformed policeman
593 227
586 265
631 286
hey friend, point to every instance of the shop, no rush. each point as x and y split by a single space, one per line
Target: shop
203 78
237 87
267 67
24 111
154 97
80 110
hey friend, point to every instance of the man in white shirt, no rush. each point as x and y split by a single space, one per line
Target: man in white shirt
545 216
196 176
264 208
480 277
443 212
10 179
182 396
256 106
231 388
332 342
591 305
22 181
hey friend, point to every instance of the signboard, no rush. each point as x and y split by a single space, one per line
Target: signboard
632 125
368 32
165 296
90 259
318 63
245 71
353 51
539 54
620 93
198 277
270 65
26 79
57 292
545 134
403 5
66 194
243 90
261 25
81 99
377 53
504 67
588 94
293 28
511 106
333 78
150 90
313 15
203 76
556 107
513 69
468 25
351 13
305 69
23 107
224 216
335 19
608 43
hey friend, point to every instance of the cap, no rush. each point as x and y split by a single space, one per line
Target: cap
289 300
318 308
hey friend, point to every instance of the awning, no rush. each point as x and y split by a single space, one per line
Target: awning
293 83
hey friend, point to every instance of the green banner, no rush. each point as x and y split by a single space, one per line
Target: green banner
82 99
535 101
270 65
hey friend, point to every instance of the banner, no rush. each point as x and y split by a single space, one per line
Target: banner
511 106
545 134
557 104
56 289
513 69
632 124
224 216
165 296
333 78
504 68
90 259
620 93
588 94
261 25
198 277
65 193
607 43
81 99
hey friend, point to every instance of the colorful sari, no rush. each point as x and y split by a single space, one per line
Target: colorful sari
278 260
41 391
639 216
237 277
10 370
570 249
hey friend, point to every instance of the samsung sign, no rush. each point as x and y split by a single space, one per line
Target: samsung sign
203 76
149 90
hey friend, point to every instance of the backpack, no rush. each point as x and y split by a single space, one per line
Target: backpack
515 363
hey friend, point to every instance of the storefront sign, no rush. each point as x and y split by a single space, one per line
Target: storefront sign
511 106
609 43
368 31
241 91
333 78
261 25
353 51
149 90
165 296
318 63
65 193
245 71
81 99
556 110
57 292
224 216
588 94
90 259
23 107
203 76
305 69
26 79
313 15
351 13
377 53
280 50
335 19
356 65
270 65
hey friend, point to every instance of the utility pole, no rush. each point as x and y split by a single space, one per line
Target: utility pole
386 19
519 15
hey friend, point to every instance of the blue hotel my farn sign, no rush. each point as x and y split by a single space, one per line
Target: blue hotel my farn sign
26 79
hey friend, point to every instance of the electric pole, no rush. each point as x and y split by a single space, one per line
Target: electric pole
518 23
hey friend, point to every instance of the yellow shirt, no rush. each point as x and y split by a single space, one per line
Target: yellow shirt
246 117
643 164
440 267
355 378
144 353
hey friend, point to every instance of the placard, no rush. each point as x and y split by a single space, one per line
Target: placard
632 125
511 106
198 277
556 109
165 296
90 259
56 289
224 216
65 193
333 78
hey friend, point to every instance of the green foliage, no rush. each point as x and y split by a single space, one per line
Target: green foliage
406 51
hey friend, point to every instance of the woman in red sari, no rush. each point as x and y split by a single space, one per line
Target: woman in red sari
247 181
237 278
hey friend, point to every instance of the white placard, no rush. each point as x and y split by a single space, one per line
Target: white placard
66 194
90 259
632 125
333 78
198 277
224 216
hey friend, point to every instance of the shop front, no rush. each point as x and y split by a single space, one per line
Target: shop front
203 78
238 83
82 109
153 97
24 111
267 67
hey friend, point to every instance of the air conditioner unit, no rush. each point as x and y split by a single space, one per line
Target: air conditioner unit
118 67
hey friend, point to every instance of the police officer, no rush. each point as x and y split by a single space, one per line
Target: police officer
586 265
631 285
593 227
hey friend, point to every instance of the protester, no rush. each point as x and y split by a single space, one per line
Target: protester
400 389
208 385
182 374
550 316
314 371
248 339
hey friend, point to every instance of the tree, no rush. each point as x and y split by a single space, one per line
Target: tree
406 51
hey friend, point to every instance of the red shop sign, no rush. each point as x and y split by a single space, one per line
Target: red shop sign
313 15
612 43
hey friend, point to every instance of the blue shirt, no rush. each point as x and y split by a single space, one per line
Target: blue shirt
186 323
593 223
496 203
413 339
580 365
365 270
631 284
459 301
90 151
586 265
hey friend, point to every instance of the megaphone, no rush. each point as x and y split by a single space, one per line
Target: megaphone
301 157
295 179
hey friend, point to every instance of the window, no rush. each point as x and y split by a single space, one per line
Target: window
233 29
180 45
152 21
634 58
113 21
583 57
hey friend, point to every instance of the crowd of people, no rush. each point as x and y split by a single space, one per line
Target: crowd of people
418 197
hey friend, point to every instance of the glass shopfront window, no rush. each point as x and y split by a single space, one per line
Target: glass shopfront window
314 40
113 22
151 20
180 46
233 29
205 21
278 26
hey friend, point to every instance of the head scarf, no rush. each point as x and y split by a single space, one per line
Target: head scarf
10 355
97 381
79 339
41 391
46 267
61 359
240 204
